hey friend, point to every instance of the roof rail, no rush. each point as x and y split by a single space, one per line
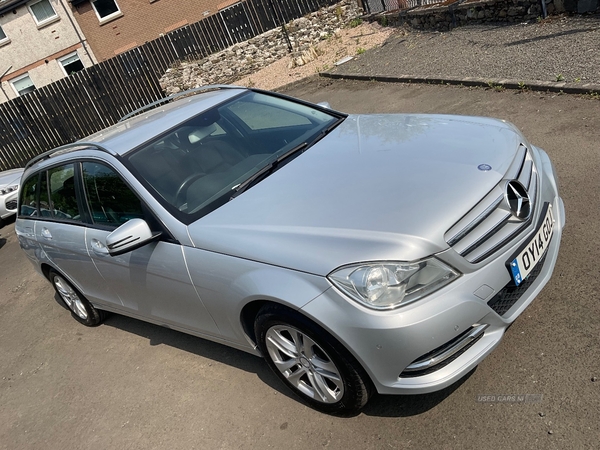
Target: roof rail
63 148
208 87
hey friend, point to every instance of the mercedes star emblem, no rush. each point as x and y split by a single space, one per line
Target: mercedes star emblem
517 199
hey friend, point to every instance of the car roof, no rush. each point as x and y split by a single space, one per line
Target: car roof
130 133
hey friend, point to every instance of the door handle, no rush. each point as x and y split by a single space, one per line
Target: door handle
99 248
46 233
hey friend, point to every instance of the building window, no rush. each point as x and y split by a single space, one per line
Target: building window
70 63
22 85
43 12
3 36
106 10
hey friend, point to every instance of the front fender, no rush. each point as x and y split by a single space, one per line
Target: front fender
226 284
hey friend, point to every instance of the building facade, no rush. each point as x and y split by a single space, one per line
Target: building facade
115 26
40 42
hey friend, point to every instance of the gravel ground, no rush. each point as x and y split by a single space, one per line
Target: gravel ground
347 42
555 49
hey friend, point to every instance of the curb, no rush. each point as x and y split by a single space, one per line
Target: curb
587 88
295 83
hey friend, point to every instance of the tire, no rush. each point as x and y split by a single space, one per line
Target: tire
314 365
81 309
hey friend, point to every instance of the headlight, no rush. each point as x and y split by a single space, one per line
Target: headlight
388 285
9 189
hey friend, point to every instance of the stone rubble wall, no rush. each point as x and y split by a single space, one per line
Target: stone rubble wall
248 57
449 16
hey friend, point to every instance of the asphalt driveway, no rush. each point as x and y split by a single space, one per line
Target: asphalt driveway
560 52
132 385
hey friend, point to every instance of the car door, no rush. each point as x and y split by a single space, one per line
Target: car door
152 281
60 228
27 216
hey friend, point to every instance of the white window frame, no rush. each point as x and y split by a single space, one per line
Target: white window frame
19 78
110 17
62 58
5 39
54 18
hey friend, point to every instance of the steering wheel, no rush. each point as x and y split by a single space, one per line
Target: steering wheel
185 185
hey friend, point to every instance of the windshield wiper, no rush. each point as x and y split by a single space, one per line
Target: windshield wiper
327 130
268 169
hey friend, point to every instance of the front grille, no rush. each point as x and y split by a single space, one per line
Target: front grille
490 226
510 294
11 204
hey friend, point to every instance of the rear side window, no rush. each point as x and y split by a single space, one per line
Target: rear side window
63 200
110 200
28 205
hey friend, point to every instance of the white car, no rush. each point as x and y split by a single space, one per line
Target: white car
9 192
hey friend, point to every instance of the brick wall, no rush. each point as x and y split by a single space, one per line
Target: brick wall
142 21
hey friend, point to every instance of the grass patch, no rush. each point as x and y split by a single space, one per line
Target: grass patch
495 87
355 22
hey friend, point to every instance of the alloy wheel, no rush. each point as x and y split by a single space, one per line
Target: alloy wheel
70 297
304 364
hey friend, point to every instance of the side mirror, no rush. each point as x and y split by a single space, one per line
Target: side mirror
324 105
131 235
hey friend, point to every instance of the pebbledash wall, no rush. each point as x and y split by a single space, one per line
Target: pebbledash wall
448 16
34 48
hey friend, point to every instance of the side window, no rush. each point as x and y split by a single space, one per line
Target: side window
28 204
63 200
45 210
111 201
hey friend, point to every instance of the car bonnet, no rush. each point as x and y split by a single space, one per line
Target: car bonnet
378 187
10 177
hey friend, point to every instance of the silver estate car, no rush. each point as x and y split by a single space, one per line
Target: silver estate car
355 253
9 191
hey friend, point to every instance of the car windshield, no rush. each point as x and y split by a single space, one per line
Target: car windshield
196 167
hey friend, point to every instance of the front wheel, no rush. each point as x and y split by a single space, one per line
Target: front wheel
311 362
81 309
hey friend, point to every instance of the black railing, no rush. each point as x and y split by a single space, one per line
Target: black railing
379 6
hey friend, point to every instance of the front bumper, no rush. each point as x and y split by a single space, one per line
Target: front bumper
8 204
386 343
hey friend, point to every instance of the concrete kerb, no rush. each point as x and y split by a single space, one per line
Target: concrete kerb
560 87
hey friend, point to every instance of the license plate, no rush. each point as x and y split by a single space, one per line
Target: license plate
534 250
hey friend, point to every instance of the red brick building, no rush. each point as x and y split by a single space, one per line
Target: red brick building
115 26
